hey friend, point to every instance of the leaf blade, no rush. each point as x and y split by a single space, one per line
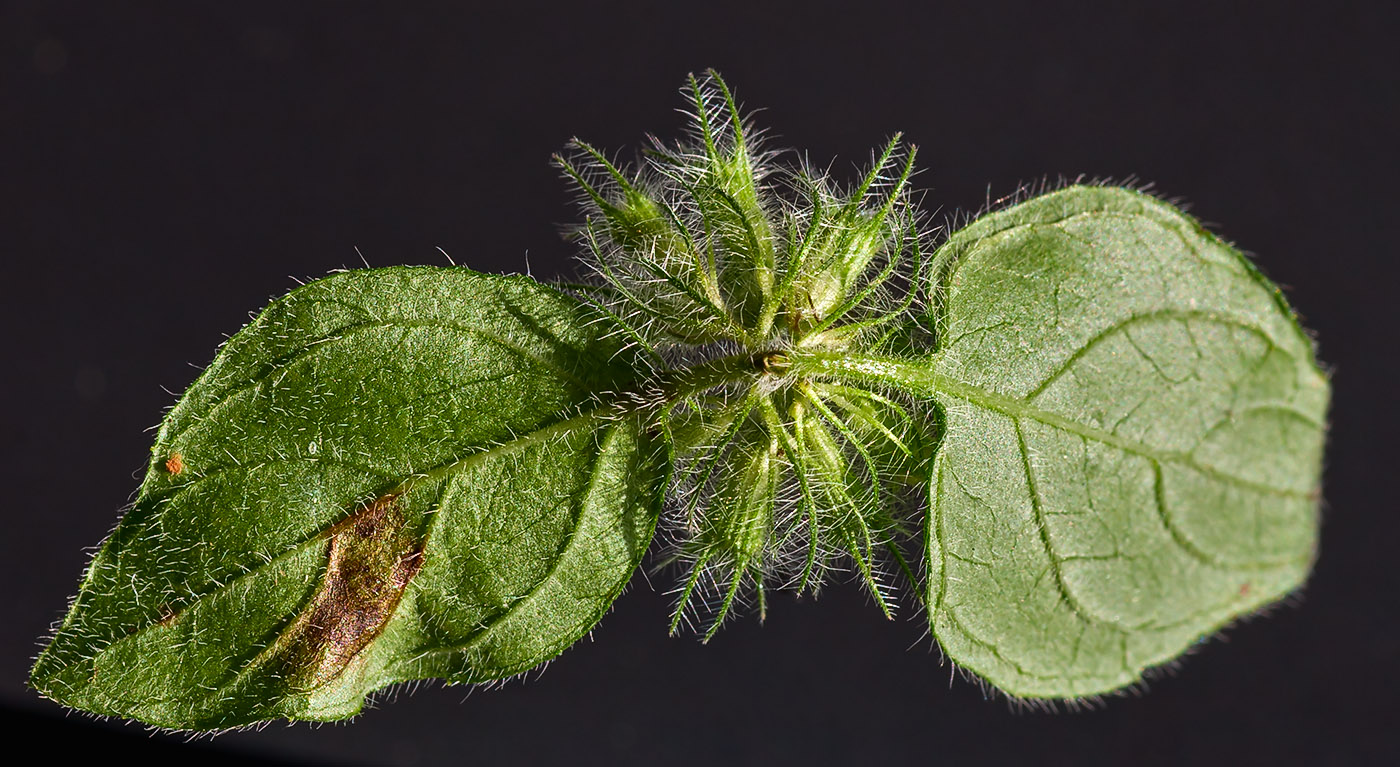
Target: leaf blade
329 400
1100 357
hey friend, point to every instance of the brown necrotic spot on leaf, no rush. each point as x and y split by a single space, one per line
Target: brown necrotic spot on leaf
372 556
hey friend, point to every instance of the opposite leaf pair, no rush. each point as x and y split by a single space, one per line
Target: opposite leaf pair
1086 429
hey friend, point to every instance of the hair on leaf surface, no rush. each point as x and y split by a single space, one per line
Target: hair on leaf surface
772 378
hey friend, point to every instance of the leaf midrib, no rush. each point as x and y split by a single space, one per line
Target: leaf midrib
438 472
1018 409
923 378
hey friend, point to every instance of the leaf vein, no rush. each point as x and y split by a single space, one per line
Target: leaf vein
569 545
1043 530
279 366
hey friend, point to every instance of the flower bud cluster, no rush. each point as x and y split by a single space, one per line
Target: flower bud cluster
711 249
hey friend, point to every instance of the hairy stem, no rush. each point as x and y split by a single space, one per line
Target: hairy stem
680 383
917 378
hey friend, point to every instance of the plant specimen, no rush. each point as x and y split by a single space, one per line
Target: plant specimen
1078 434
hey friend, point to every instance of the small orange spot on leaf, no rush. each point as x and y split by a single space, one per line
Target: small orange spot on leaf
175 463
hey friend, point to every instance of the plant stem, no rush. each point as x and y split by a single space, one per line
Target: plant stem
680 383
916 378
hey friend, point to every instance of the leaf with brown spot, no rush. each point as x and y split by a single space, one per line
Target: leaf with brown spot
365 498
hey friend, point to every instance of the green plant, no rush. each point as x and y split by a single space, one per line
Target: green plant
1082 432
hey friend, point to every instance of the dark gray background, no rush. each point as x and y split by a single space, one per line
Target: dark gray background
166 168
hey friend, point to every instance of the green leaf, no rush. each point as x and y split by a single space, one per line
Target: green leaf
390 475
1131 455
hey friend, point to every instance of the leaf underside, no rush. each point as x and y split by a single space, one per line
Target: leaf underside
1134 427
389 475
